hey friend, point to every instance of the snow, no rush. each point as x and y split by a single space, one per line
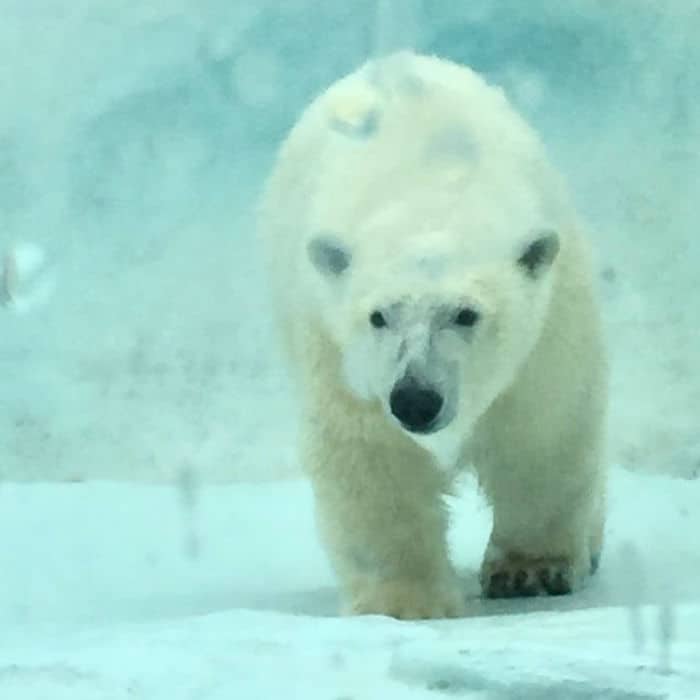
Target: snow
220 591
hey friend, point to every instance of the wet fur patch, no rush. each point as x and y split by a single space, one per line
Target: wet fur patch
355 115
451 143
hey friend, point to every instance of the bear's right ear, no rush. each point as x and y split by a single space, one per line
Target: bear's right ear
328 255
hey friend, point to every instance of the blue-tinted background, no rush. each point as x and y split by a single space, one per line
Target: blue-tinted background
133 140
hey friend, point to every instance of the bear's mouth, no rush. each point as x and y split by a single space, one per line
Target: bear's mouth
424 431
429 429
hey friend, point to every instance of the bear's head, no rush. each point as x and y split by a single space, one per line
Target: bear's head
433 236
433 323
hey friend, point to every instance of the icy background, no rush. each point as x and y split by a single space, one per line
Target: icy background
133 140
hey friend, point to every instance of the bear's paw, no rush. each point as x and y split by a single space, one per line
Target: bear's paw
515 576
407 599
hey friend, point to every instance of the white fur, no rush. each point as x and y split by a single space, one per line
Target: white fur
433 187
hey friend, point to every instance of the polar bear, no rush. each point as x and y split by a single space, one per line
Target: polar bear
436 303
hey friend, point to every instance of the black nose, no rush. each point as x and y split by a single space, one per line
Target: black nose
416 407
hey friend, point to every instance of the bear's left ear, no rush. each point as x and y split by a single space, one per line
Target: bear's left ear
540 253
328 255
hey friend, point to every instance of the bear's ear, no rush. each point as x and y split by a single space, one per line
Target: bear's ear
328 255
540 253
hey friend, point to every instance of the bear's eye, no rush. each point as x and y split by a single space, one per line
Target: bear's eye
466 317
376 318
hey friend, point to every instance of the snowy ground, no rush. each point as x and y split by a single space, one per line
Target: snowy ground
118 591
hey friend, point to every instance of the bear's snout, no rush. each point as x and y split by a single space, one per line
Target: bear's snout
415 406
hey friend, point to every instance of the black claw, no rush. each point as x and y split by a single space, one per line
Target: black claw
559 585
502 584
521 586
498 586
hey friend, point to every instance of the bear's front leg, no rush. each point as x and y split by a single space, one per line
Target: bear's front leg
546 536
383 522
